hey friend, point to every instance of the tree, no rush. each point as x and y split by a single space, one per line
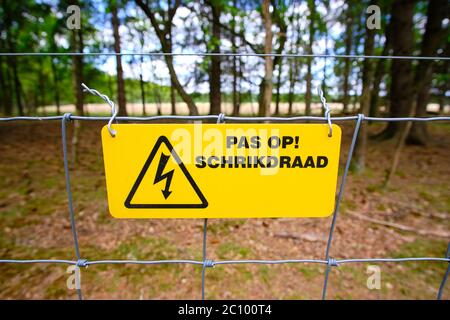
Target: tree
77 45
402 76
432 39
278 87
119 70
312 31
235 71
277 16
6 101
367 78
266 92
137 28
5 87
381 64
214 69
163 30
442 79
430 42
380 72
277 10
54 29
348 49
293 63
12 11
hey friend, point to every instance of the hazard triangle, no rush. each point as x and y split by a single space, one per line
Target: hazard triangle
164 182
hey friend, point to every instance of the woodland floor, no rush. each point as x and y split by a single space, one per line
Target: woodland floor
34 223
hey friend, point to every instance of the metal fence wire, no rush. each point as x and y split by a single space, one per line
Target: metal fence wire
205 263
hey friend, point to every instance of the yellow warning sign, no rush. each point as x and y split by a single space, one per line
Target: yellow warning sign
221 170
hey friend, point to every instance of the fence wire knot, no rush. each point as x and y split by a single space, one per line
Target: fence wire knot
82 263
332 262
208 263
361 117
221 118
67 117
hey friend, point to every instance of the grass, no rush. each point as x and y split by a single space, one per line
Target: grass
408 280
224 227
231 250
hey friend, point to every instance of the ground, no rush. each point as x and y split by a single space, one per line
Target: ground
34 223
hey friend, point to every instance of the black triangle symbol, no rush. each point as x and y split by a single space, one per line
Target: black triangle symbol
129 205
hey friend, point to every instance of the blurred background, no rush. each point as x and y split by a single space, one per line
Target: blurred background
388 210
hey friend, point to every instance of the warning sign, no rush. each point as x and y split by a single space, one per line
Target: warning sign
148 194
221 170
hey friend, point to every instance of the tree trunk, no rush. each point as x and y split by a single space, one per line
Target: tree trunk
308 93
266 84
432 38
9 80
380 72
235 67
235 88
5 89
2 88
17 84
401 90
173 99
165 39
324 80
77 70
55 85
442 98
293 73
347 62
142 85
214 71
120 81
157 99
41 86
11 60
367 77
277 96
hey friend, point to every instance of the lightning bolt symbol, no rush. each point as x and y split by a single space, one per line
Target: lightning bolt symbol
160 177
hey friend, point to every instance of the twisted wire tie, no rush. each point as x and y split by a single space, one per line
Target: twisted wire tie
82 263
332 262
327 110
114 111
208 263
221 118
66 117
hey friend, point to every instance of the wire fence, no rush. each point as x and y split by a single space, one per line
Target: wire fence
330 262
205 262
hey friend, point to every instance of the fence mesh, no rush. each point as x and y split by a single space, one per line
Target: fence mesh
330 262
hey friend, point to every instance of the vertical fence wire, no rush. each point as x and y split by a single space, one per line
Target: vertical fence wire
332 262
205 263
64 121
447 272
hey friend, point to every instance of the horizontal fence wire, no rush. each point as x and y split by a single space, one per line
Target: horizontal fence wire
222 54
223 117
213 263
205 263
